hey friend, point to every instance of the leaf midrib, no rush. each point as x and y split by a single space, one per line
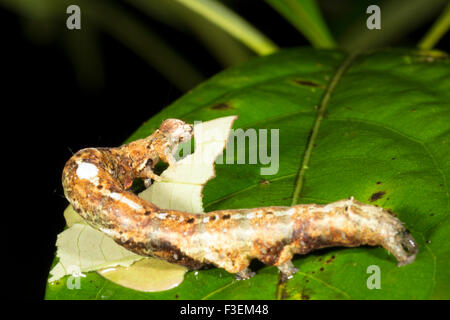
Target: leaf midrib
320 115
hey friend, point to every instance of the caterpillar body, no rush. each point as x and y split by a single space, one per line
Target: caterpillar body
96 180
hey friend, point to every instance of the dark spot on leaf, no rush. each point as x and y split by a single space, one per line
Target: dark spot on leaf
99 187
263 181
147 213
176 296
431 214
393 158
227 216
269 212
330 259
221 106
191 220
307 83
304 295
379 182
320 259
376 196
321 269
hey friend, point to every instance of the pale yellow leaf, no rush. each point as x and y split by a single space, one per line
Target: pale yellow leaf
82 248
182 184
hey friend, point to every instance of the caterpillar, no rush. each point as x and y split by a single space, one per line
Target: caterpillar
96 182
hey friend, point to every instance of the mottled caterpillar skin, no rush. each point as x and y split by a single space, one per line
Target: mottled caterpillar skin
96 180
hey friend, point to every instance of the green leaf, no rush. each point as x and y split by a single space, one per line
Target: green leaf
231 22
306 17
224 47
376 122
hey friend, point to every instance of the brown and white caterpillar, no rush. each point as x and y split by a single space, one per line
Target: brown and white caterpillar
96 180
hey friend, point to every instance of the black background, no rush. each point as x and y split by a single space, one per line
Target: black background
47 116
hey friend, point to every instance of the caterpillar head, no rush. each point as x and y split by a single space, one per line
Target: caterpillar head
178 130
408 247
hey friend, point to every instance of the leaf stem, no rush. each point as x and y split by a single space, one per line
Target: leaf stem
320 115
232 23
439 28
306 17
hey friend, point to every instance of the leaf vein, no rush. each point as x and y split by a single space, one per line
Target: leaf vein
320 115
